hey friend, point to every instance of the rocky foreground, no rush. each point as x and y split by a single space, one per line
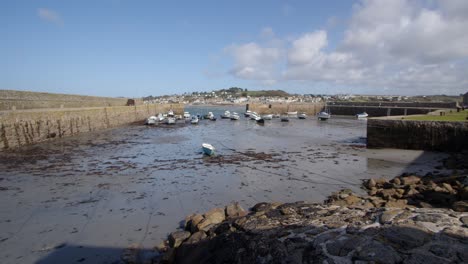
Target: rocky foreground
409 219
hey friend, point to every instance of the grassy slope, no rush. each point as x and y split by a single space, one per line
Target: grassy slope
454 116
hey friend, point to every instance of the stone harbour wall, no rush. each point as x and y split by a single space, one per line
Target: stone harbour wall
19 128
424 135
19 100
281 108
375 111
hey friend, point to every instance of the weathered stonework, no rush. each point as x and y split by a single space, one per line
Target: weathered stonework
425 135
19 128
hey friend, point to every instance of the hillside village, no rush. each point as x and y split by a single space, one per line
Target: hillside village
236 95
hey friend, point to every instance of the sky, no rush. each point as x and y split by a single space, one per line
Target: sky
140 48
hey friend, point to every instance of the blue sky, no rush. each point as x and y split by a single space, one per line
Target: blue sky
138 48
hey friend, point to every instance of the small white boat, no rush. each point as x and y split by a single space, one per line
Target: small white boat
208 149
160 117
152 120
362 115
268 117
194 120
302 116
254 116
170 113
209 115
235 116
226 115
291 113
323 115
247 113
284 119
260 120
276 116
170 121
186 115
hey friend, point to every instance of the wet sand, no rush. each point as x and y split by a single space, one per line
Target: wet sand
92 195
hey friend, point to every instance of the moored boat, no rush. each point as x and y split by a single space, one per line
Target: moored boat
170 121
260 120
226 115
284 119
323 115
254 116
235 116
247 113
302 116
362 115
291 113
194 120
276 116
268 117
208 149
170 113
186 115
152 120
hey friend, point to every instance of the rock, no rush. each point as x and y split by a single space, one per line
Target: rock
235 210
352 199
196 237
373 191
287 211
380 182
386 193
463 193
409 180
397 203
448 187
376 252
176 238
215 216
406 236
464 220
343 245
460 206
388 216
418 258
194 221
370 184
397 181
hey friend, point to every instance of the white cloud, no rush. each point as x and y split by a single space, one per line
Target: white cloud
251 61
50 15
400 46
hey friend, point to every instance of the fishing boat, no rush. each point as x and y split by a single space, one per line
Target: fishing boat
152 120
170 113
194 120
170 121
284 119
268 117
323 115
226 115
362 115
247 113
235 116
208 149
209 115
302 116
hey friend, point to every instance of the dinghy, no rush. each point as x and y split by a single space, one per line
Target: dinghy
226 115
234 116
152 120
362 115
323 115
208 149
194 120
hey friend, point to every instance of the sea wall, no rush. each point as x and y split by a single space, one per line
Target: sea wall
425 135
280 108
19 100
19 128
399 104
376 111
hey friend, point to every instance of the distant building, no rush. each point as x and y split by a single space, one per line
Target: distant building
465 99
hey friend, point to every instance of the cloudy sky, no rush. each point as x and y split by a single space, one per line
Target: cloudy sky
138 48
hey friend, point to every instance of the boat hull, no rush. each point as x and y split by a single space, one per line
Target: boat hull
208 149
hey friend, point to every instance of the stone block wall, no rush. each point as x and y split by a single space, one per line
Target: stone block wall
280 108
422 135
19 128
20 100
